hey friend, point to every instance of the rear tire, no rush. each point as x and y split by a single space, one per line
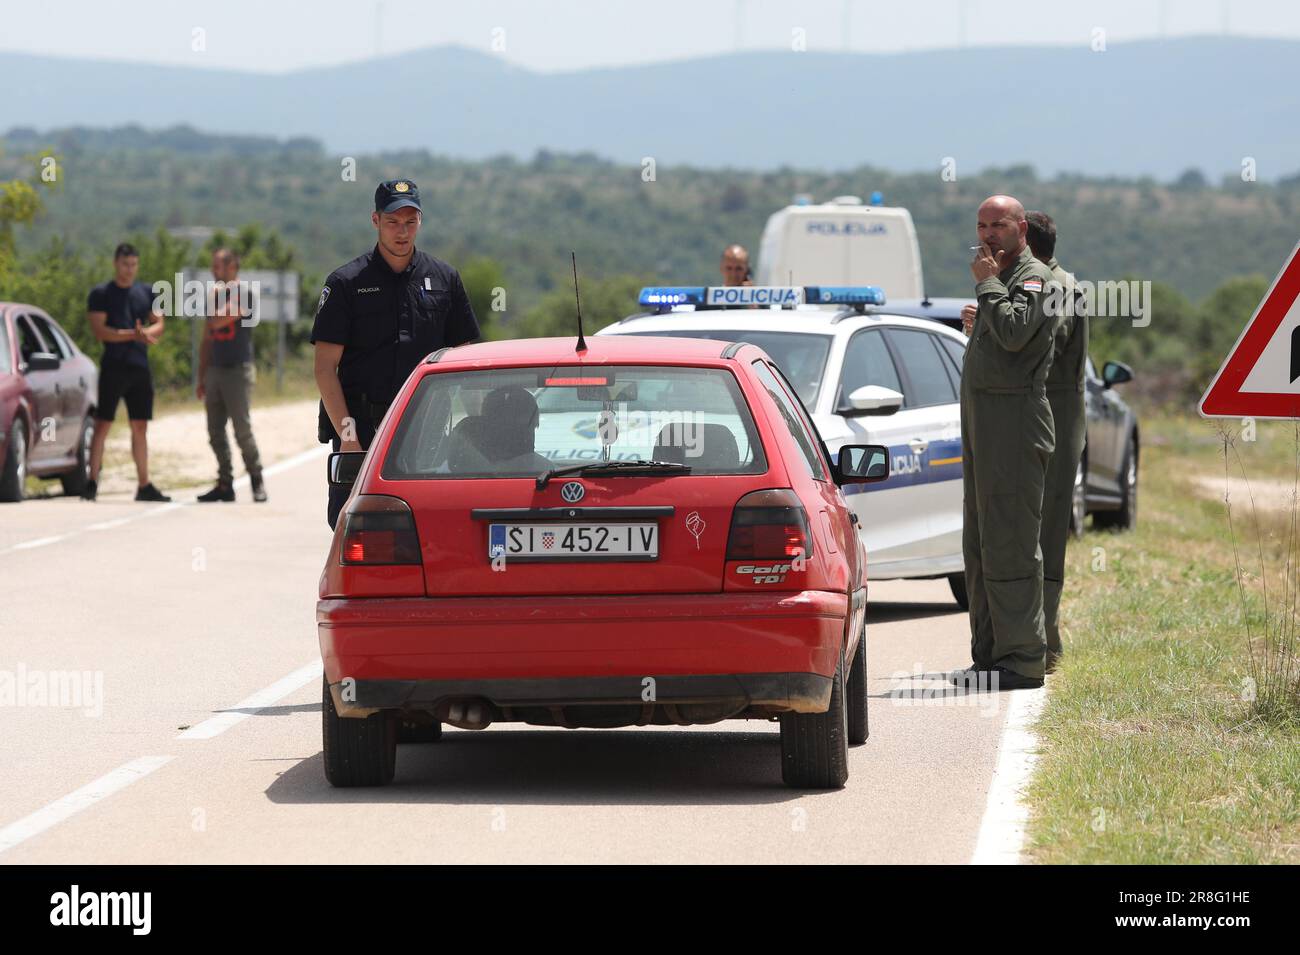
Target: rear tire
957 584
814 746
857 690
74 482
13 478
1079 500
358 752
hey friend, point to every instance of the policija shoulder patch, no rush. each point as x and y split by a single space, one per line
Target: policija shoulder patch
324 297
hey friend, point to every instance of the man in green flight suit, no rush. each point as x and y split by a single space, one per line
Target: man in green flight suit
1007 441
1065 395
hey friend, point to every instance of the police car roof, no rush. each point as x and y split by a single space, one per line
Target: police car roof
813 319
603 349
943 309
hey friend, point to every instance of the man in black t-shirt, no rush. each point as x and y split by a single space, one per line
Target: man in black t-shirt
378 317
226 377
117 312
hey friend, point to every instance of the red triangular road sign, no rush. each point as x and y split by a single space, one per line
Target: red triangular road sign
1261 376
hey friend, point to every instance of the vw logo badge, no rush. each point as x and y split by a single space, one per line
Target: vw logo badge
572 492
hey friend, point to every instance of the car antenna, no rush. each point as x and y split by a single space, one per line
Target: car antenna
577 300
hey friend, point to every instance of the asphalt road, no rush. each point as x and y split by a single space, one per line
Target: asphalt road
205 745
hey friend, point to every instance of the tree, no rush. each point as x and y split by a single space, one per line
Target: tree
603 301
485 285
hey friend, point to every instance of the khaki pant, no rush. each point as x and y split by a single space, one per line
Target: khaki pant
228 392
1070 420
1007 441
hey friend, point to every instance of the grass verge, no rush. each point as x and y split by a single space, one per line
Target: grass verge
1151 750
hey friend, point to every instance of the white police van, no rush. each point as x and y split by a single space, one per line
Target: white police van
867 377
842 242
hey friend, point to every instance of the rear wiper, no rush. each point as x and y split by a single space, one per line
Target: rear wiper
638 465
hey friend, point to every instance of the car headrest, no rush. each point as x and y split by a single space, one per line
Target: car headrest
714 444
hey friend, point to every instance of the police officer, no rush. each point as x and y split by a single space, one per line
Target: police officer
378 316
1066 397
1007 440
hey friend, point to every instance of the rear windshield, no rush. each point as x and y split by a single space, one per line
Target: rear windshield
520 422
801 356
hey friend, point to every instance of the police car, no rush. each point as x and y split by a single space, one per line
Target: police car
866 376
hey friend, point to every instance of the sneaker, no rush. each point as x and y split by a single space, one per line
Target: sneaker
220 492
259 489
151 493
89 491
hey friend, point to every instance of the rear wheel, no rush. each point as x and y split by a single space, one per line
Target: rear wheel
1079 500
74 482
957 584
814 746
358 752
13 477
857 690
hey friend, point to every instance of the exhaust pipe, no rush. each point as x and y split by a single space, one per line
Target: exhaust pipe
469 715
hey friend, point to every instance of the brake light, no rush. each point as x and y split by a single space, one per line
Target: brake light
379 530
769 525
575 382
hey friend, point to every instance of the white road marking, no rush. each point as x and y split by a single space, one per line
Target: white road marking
109 525
260 700
39 542
83 798
280 466
1002 831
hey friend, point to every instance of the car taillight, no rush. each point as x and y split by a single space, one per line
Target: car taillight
769 525
379 530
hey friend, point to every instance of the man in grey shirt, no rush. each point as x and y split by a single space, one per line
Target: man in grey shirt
226 376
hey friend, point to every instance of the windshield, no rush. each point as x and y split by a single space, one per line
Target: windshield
800 356
522 422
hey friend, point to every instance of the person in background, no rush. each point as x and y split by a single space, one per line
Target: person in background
735 266
226 377
118 311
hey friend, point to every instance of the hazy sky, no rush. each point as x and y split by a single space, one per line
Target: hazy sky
266 35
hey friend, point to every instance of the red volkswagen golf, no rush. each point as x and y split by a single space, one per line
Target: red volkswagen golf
636 531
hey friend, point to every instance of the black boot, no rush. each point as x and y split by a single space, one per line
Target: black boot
219 492
151 493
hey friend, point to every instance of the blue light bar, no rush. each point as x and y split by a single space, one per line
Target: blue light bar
664 297
844 295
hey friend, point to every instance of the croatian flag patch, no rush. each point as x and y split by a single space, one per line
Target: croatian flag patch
1033 285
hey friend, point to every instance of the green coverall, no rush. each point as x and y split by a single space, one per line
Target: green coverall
1066 396
1007 439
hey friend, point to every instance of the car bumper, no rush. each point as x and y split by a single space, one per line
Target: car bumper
774 651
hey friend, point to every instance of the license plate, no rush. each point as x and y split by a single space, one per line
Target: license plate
574 541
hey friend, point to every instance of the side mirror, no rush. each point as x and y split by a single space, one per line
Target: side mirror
344 466
872 400
862 464
1116 373
43 361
